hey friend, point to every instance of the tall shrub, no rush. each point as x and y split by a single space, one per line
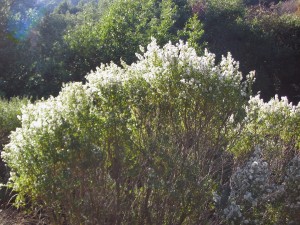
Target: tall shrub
137 144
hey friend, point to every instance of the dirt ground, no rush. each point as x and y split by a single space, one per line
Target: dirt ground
13 217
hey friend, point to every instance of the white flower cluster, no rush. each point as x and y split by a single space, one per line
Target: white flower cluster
273 125
106 75
249 185
177 62
252 189
253 176
274 106
44 119
233 212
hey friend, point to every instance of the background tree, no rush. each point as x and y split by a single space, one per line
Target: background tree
264 37
123 27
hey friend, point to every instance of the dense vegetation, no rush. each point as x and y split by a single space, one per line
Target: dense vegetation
43 46
9 121
166 134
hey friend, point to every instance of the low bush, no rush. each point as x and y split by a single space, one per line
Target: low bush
265 185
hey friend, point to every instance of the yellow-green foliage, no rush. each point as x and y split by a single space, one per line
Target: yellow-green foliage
9 111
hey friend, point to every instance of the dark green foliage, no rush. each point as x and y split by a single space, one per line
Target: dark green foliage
193 33
76 36
37 64
261 38
126 25
73 39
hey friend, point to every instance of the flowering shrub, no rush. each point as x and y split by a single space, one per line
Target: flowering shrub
265 190
273 125
255 197
9 112
250 189
138 144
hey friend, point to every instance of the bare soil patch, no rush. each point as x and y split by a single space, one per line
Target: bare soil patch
11 216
